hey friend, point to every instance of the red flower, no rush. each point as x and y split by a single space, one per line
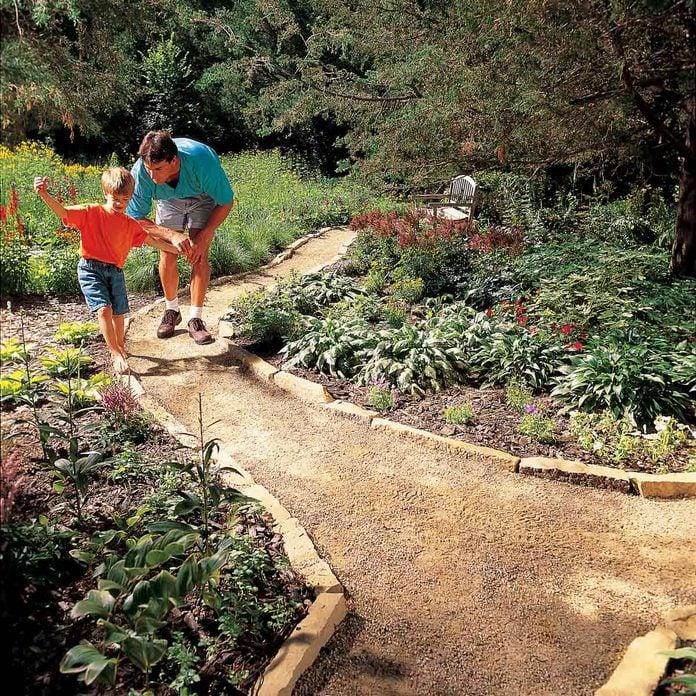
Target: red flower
582 335
567 328
3 213
72 193
489 312
522 321
575 346
14 201
533 329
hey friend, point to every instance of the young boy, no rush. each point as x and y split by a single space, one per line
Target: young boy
106 238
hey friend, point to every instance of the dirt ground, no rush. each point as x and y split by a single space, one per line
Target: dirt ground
463 578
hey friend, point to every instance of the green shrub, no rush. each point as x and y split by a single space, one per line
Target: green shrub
14 266
459 415
76 333
539 427
377 279
393 314
518 396
54 271
263 317
65 363
623 374
615 439
529 358
413 359
381 399
336 346
408 290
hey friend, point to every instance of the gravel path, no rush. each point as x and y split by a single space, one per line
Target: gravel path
463 578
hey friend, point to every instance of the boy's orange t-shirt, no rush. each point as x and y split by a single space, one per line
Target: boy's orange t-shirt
104 235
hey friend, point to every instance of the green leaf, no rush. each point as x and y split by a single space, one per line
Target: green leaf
144 653
86 660
97 603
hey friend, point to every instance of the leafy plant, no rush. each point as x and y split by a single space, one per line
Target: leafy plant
617 440
14 351
76 333
463 414
64 363
380 398
124 421
685 678
263 317
331 345
413 359
76 470
518 396
625 375
539 427
81 392
408 290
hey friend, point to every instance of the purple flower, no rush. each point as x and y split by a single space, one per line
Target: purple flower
530 408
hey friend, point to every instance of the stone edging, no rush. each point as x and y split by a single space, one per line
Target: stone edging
329 607
644 662
646 485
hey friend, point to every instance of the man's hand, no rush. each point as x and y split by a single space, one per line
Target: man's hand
182 243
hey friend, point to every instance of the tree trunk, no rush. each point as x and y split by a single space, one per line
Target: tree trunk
683 262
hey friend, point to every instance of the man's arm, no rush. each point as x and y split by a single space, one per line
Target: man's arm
176 239
205 237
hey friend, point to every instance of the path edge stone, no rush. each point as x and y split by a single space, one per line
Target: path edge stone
643 664
329 607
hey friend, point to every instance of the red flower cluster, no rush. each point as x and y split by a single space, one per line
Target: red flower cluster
498 239
414 228
11 226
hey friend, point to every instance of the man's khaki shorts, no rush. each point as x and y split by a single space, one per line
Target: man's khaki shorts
185 213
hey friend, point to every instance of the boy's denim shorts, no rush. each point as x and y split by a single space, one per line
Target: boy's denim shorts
103 285
185 213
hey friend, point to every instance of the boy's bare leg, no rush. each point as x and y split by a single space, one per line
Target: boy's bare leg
106 325
120 331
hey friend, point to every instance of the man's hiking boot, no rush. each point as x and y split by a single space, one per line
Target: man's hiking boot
198 332
169 322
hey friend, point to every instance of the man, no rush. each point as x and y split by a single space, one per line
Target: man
186 179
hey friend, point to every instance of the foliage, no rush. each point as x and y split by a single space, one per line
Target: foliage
333 345
76 333
14 248
685 679
413 359
380 398
408 290
123 419
263 317
538 426
65 363
82 392
13 351
616 439
463 414
626 375
518 396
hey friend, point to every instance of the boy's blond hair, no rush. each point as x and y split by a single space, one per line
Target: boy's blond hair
117 181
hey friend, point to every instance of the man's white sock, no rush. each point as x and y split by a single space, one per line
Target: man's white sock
172 304
195 312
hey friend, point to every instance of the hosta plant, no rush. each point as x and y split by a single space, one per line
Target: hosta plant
76 332
337 347
64 363
413 359
517 354
14 351
623 374
263 317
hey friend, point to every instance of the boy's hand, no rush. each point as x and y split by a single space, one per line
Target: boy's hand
41 185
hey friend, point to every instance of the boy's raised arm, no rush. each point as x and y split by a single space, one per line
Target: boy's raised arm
41 188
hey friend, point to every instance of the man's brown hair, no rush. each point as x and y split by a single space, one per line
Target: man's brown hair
117 181
158 146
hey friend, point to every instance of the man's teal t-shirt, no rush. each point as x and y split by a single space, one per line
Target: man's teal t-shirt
201 172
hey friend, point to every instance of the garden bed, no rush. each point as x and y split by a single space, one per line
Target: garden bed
496 423
47 573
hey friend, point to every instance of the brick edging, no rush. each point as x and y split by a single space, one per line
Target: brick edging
644 662
299 651
646 485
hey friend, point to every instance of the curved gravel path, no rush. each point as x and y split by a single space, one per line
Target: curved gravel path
463 578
